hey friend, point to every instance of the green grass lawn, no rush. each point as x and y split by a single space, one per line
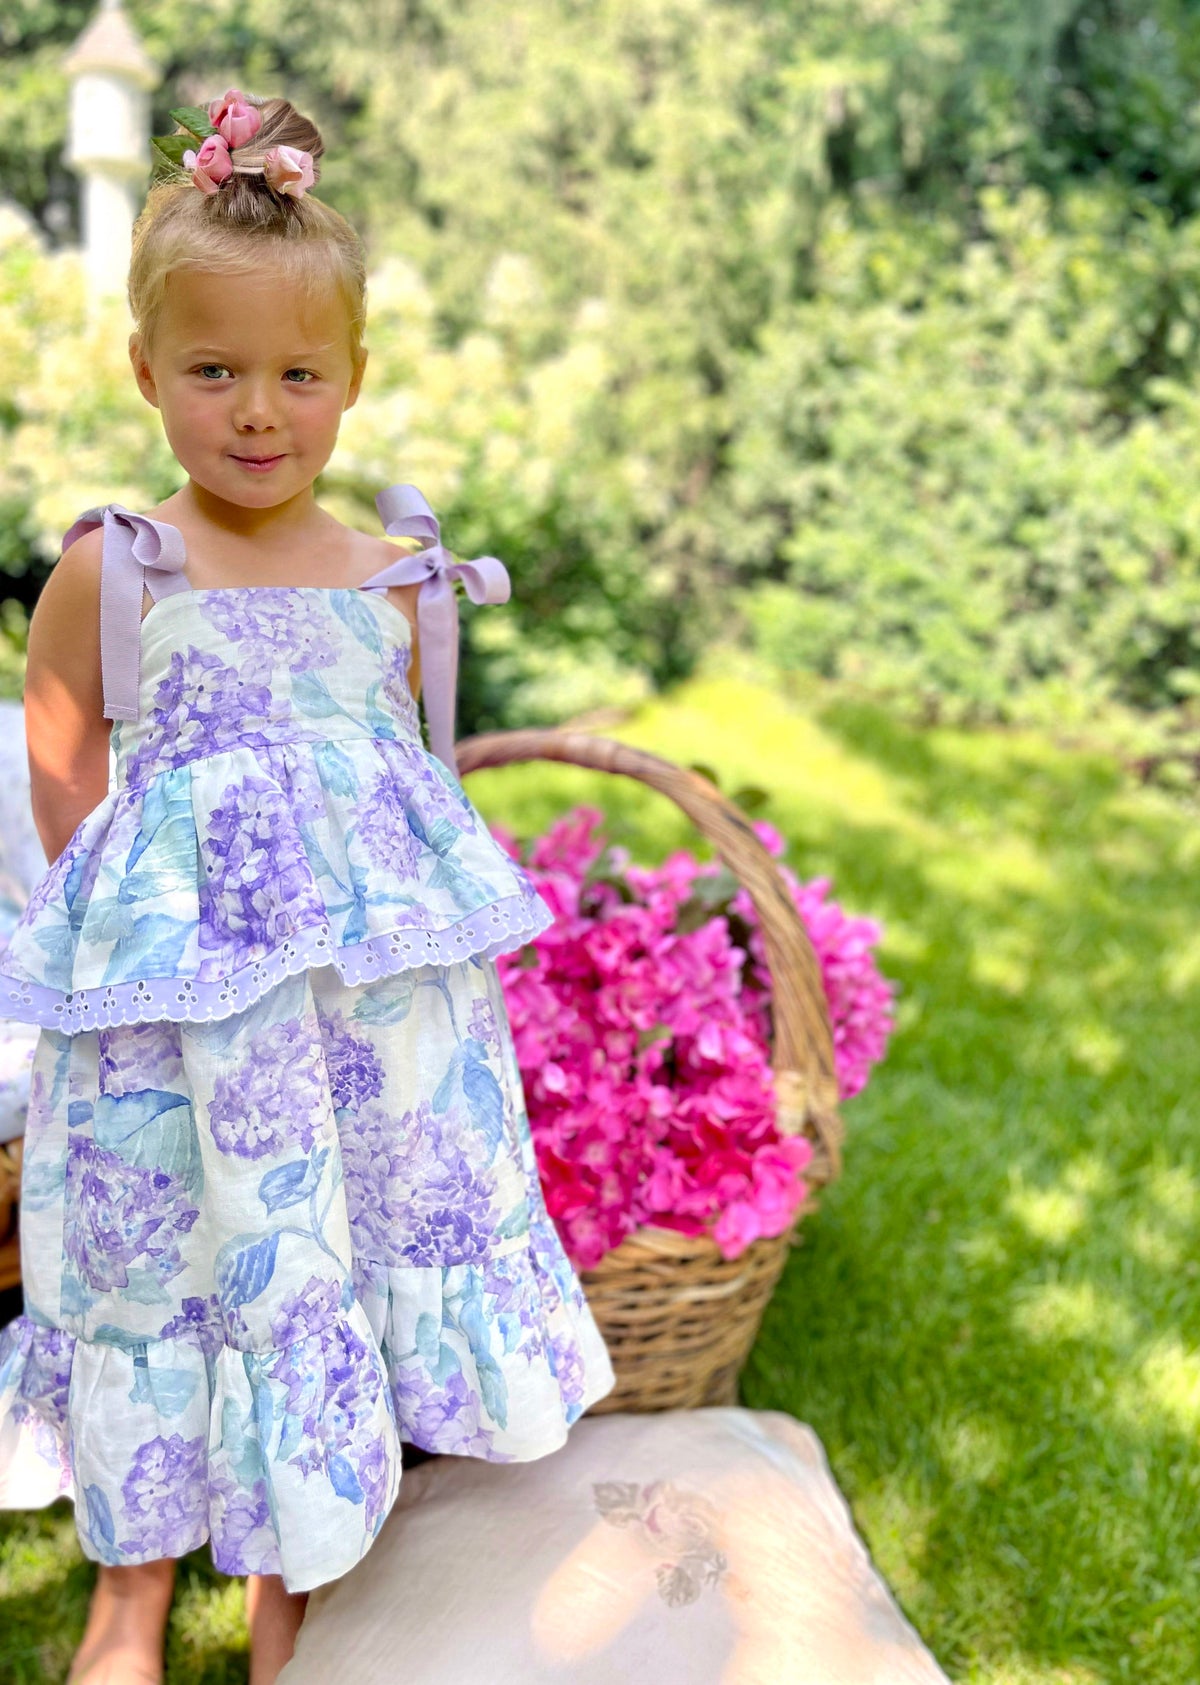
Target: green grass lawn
993 1322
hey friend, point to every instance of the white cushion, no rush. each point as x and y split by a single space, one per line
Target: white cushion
706 1547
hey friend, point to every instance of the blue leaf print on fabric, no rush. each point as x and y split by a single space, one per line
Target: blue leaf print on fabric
291 1435
311 695
242 1448
343 1479
169 1390
74 1297
493 1390
154 1129
288 1184
386 1005
127 961
163 957
429 1336
243 1273
110 1335
443 1094
485 1102
74 879
446 1365
469 892
79 1113
516 1223
144 1288
383 725
351 608
444 836
100 1521
167 801
336 769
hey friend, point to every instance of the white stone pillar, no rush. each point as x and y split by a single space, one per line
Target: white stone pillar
109 147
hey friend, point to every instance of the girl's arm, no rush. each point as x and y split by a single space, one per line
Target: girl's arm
66 733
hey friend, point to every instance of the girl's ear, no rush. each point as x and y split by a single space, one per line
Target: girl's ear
142 371
356 380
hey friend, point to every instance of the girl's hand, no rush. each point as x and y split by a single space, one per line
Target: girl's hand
66 733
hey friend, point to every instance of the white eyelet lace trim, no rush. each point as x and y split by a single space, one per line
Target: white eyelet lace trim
490 930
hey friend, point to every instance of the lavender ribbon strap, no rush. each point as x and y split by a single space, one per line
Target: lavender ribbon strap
405 514
131 543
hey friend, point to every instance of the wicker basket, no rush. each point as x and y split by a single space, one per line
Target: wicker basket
10 1187
680 1319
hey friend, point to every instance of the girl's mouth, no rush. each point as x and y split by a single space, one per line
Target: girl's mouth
258 464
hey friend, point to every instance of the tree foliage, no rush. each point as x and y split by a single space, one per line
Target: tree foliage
867 326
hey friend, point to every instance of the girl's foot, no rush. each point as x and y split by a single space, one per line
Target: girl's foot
127 1621
273 1616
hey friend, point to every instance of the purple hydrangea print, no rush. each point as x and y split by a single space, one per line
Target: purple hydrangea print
45 1383
568 1368
338 1392
443 1417
39 1112
414 1194
306 1312
273 629
243 1537
482 1023
398 692
164 1495
118 1215
436 795
276 1097
384 830
201 706
355 1069
258 885
133 1057
296 769
198 1319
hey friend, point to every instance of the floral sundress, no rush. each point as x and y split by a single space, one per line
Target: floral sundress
279 1209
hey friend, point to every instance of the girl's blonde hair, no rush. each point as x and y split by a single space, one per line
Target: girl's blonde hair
244 225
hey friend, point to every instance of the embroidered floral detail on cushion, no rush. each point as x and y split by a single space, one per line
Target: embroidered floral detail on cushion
679 1527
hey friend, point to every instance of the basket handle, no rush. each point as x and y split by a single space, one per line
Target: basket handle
806 1087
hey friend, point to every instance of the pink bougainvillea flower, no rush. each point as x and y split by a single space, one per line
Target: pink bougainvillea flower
288 170
234 118
643 1032
211 165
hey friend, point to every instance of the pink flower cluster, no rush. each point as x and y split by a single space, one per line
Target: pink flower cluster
288 170
642 1032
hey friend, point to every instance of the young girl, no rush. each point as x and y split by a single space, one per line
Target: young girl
280 1210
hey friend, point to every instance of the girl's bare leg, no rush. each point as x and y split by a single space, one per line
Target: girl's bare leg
273 1616
127 1621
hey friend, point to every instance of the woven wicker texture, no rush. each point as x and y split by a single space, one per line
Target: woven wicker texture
10 1187
679 1318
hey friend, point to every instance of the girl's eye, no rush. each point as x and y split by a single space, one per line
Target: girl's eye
306 375
207 370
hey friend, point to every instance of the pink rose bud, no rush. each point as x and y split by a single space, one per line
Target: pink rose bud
235 118
211 165
288 170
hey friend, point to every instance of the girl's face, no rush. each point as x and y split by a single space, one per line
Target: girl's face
251 375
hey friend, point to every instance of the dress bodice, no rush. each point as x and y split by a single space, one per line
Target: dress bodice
261 665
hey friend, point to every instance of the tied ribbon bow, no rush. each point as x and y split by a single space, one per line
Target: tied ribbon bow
131 542
405 514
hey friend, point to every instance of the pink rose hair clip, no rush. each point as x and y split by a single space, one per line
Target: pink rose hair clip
229 123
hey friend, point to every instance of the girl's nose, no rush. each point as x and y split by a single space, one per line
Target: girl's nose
254 408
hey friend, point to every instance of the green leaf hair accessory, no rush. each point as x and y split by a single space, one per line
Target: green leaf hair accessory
208 139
